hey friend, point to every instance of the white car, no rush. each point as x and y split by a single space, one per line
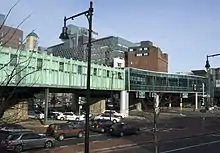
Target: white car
70 116
114 113
113 118
39 116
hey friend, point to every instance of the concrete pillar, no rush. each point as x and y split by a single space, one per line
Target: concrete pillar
97 106
196 100
75 102
46 95
124 103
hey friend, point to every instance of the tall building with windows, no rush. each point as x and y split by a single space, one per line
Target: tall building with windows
11 37
147 56
104 50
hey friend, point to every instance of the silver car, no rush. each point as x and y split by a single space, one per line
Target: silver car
21 141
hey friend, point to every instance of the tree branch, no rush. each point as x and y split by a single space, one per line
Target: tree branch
9 12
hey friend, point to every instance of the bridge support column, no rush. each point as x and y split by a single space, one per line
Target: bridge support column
46 95
196 100
124 103
75 102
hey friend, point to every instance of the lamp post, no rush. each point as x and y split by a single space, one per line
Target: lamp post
63 36
207 66
111 101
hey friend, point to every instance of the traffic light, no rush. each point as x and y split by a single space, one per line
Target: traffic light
194 87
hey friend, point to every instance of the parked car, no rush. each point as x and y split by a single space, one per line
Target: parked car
121 129
70 116
114 113
78 124
101 125
111 117
51 114
7 127
63 130
21 141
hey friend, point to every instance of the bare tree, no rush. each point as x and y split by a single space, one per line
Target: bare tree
15 70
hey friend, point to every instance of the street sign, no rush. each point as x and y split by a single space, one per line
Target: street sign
185 95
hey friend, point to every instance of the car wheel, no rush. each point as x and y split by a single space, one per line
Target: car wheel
102 130
61 118
80 134
121 134
114 121
60 137
18 148
48 144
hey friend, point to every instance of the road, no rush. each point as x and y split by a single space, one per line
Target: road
202 144
192 122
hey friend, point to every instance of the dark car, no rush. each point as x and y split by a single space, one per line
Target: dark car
121 129
63 130
78 124
101 125
21 141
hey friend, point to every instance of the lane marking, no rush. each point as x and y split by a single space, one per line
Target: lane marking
64 146
80 144
192 146
93 135
95 141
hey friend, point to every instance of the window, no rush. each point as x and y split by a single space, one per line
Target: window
79 69
108 73
119 64
140 49
13 60
119 75
30 136
95 71
138 54
39 64
146 54
61 66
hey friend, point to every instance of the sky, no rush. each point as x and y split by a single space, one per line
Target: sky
187 30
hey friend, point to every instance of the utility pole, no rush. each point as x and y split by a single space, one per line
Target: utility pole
64 36
111 101
156 111
207 66
181 105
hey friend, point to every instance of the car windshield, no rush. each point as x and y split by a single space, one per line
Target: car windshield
12 136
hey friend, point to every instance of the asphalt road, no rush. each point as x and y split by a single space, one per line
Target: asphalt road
177 122
202 144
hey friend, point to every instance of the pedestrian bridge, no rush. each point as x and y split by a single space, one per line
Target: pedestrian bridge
31 68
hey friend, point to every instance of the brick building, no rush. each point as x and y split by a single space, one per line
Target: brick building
147 56
11 37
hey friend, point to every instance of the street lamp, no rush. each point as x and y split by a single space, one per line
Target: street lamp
207 66
111 101
64 36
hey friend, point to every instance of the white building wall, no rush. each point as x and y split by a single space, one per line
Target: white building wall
118 62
